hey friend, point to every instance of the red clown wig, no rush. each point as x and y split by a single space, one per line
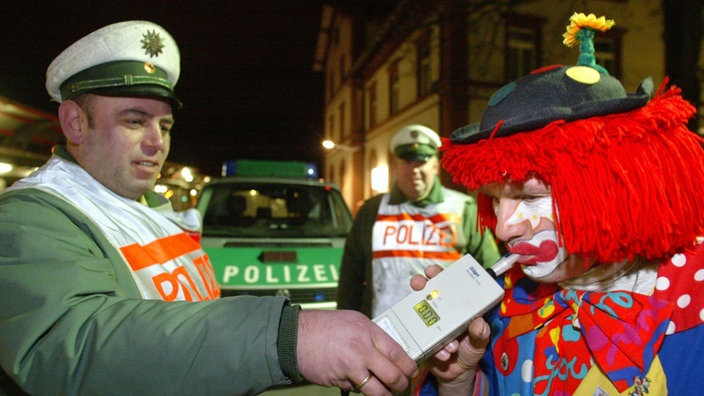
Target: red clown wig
626 173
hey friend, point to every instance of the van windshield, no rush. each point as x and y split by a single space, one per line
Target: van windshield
272 210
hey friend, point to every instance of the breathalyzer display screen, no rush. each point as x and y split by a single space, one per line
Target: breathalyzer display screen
426 313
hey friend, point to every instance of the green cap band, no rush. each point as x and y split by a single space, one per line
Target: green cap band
120 78
415 152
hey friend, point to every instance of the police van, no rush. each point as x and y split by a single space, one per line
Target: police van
272 228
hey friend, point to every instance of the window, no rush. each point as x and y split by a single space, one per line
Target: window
604 53
379 175
272 209
343 67
372 161
523 45
607 51
331 128
394 88
331 84
371 93
336 36
341 180
520 58
341 112
424 70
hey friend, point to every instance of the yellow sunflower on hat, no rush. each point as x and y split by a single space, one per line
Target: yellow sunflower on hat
579 21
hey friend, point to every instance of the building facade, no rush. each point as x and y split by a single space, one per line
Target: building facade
437 63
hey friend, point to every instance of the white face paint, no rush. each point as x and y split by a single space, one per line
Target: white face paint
533 210
526 221
541 254
546 257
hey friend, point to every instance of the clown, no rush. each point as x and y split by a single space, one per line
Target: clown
598 191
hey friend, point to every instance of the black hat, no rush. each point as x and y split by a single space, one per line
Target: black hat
558 92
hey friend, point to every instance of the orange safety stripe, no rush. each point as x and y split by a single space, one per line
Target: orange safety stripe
453 255
158 252
438 218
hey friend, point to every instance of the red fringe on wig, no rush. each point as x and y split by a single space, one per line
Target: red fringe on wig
625 185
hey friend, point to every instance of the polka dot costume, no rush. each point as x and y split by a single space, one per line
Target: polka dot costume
681 281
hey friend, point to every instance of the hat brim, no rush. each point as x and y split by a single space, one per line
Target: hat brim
140 91
415 157
415 152
474 132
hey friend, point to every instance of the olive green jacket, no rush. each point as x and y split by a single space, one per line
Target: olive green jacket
72 320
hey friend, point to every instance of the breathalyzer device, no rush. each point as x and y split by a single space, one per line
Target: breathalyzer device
426 320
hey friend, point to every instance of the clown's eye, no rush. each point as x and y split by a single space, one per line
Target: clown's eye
530 200
495 205
524 196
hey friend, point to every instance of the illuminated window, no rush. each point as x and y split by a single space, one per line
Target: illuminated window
380 178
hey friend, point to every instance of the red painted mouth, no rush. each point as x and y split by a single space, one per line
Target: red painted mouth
530 255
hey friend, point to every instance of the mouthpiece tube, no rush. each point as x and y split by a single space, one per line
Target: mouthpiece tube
504 264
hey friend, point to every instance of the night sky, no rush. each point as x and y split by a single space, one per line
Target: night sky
247 82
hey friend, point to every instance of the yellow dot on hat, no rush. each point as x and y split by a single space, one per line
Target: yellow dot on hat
583 74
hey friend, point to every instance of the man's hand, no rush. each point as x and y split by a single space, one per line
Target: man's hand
342 348
455 365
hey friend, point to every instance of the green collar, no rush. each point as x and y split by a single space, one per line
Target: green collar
435 196
61 151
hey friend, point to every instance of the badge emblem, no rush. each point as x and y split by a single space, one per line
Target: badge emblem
152 43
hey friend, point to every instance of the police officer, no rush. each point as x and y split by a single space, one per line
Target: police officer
103 288
397 234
